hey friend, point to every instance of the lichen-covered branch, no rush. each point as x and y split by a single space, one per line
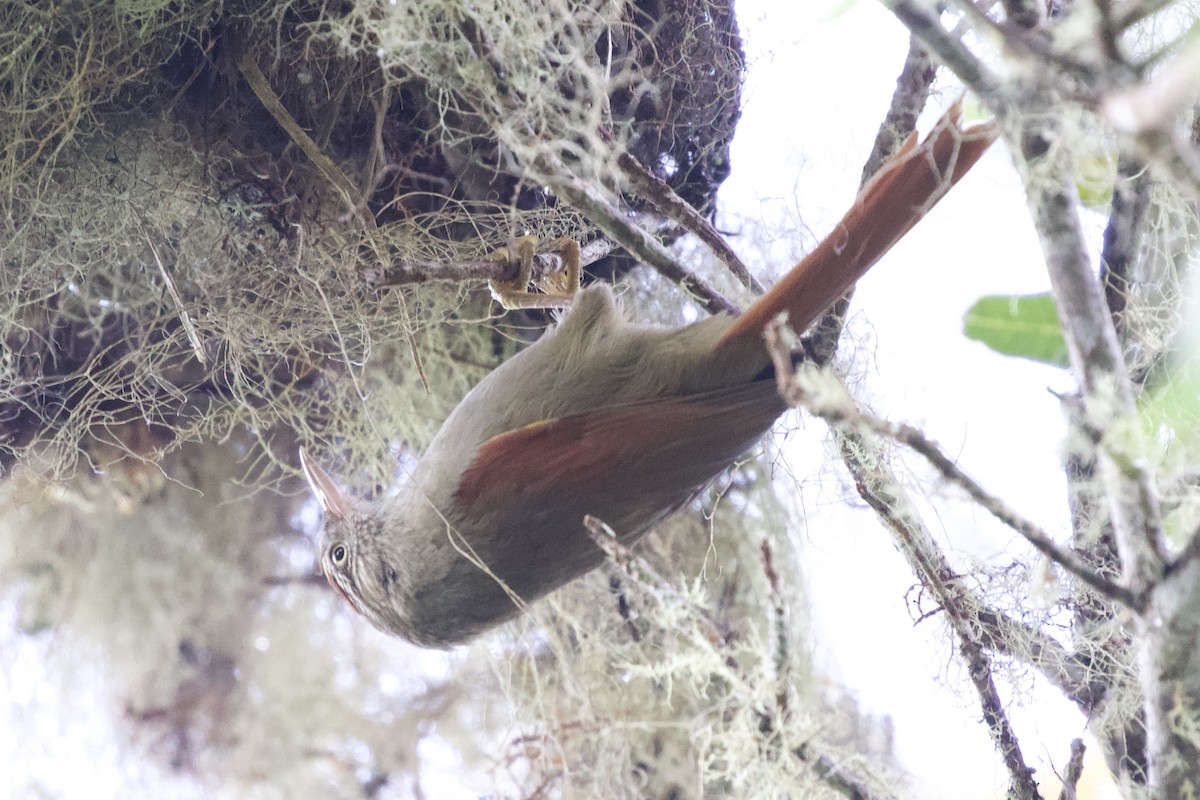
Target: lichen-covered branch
844 775
878 486
1122 235
947 46
1030 531
675 208
912 91
1073 772
1036 114
641 245
880 489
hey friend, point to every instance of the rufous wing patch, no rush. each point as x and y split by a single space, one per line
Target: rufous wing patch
668 443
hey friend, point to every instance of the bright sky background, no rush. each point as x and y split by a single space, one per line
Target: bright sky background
820 77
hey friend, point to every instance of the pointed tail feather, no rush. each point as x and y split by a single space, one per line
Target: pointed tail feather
893 201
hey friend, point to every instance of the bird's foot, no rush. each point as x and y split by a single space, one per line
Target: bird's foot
556 288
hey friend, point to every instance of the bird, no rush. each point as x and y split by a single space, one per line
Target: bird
601 417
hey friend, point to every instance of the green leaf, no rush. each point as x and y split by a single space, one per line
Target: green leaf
1018 325
1170 409
1095 170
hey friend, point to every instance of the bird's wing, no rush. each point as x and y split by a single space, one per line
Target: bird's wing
655 451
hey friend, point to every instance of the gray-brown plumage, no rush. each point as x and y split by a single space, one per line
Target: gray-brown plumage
599 417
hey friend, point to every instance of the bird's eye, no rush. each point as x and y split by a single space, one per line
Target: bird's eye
338 554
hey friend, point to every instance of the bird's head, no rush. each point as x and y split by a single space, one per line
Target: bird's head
359 556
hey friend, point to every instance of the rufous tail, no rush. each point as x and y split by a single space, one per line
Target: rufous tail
893 201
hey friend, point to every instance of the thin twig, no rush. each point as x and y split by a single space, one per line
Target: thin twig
332 172
879 488
1030 531
838 776
614 587
782 649
1066 671
925 24
1190 551
402 273
882 492
350 193
1175 153
911 93
847 413
643 574
1109 35
1070 779
1134 11
1151 111
1122 235
1030 43
641 245
663 197
188 328
1025 13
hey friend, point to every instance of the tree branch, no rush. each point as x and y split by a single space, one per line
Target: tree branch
839 776
675 208
402 273
350 193
878 486
1122 235
641 245
911 93
1189 553
948 47
1134 11
1029 530
1074 771
1107 395
842 777
1170 623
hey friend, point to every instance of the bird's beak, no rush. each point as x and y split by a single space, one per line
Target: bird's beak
337 588
333 502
